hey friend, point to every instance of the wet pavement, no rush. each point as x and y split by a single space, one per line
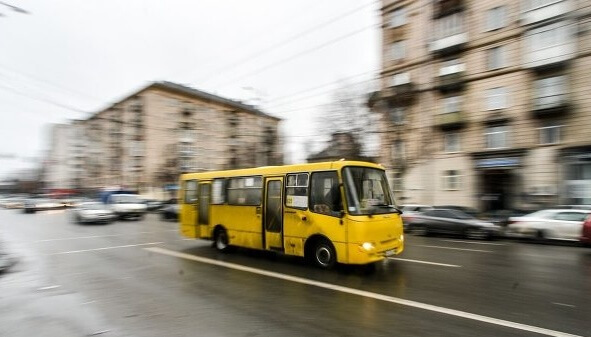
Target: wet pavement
140 278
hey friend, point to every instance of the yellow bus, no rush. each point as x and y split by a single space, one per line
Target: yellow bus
329 212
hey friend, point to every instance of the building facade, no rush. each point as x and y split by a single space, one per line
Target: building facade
148 138
486 103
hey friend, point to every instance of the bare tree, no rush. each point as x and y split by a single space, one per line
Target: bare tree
348 113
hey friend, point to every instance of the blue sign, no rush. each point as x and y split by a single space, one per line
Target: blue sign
497 162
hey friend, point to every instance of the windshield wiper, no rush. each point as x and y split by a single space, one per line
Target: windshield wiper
388 206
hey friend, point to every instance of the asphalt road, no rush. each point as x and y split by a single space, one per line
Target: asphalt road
140 278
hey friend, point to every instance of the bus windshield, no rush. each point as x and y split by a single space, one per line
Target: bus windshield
367 191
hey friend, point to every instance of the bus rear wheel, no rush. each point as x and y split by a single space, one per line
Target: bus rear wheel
325 255
221 240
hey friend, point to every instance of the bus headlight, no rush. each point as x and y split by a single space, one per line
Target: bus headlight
401 237
368 246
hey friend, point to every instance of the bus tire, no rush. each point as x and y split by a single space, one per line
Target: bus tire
220 240
324 254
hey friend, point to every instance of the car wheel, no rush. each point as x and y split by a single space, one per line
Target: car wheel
221 242
325 255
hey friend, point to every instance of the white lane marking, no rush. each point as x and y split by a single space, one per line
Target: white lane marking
105 248
363 293
477 243
453 248
425 262
49 287
100 236
564 304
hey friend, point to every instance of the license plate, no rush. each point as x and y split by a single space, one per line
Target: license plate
390 252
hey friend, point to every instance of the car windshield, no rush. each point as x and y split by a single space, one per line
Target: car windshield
126 199
367 191
461 215
540 214
92 205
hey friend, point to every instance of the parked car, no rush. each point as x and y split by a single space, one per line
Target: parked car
451 221
468 210
170 210
586 233
409 212
127 206
557 224
12 202
92 212
154 205
40 204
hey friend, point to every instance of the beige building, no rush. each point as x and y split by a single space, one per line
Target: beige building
487 103
148 138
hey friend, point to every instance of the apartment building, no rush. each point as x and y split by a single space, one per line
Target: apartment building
63 167
145 140
486 103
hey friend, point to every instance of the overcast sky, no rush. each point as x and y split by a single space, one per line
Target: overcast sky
70 58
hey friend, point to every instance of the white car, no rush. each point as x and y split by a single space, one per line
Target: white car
558 224
127 206
92 212
409 212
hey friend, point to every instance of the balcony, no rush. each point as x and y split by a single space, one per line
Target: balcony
451 77
449 121
550 46
449 44
544 10
550 106
400 91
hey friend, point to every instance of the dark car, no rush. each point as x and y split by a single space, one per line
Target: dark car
586 233
451 221
170 210
468 210
154 205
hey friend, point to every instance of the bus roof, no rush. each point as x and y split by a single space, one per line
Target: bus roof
279 170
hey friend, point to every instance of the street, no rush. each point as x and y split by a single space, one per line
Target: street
141 278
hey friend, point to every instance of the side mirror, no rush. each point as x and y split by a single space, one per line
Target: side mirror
341 214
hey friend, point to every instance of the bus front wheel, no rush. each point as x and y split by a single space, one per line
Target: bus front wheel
325 255
221 240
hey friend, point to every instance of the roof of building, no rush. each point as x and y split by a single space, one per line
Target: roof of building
199 94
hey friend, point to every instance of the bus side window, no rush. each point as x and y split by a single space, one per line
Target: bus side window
325 196
190 191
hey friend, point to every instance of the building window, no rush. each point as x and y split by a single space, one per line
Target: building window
497 137
495 58
550 36
452 66
452 104
400 79
397 51
397 17
550 91
550 134
398 182
451 142
451 180
449 25
535 4
397 115
398 151
495 18
496 98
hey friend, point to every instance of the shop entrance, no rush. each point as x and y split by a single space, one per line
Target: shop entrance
497 189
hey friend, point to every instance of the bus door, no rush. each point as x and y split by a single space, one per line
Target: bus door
188 210
203 209
273 214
